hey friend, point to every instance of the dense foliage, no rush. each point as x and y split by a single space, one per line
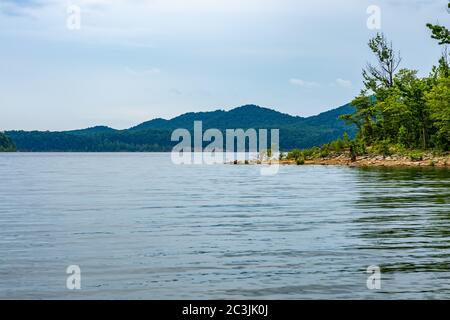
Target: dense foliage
6 144
397 109
154 135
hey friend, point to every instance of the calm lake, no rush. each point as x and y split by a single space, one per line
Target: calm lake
140 227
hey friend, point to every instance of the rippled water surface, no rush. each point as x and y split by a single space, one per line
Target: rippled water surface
140 227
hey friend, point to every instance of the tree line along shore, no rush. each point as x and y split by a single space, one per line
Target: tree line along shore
402 119
6 144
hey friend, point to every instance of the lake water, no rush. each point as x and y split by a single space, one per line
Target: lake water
140 227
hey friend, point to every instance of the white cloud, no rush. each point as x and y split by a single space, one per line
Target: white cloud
344 83
303 83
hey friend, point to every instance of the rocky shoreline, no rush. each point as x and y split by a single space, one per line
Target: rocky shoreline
384 161
395 160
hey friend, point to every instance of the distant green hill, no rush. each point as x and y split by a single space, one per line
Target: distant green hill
6 144
154 135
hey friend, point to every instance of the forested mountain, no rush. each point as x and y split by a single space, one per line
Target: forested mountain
154 135
6 145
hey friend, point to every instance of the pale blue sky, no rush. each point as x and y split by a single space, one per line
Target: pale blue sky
139 59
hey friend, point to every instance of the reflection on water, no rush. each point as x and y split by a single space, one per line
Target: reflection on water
406 212
140 227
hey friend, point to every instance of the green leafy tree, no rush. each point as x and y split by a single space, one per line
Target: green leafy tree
438 99
415 113
442 35
363 117
6 144
382 74
398 107
294 154
403 138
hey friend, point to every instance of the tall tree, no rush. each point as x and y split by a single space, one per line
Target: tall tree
6 144
415 114
438 99
442 35
381 75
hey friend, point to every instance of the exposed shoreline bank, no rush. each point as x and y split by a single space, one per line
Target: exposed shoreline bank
428 160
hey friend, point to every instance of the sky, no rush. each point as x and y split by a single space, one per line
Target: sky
134 60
